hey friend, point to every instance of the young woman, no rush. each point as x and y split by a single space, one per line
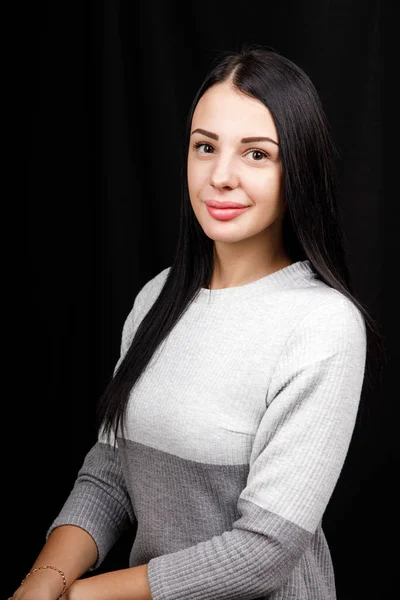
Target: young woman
226 424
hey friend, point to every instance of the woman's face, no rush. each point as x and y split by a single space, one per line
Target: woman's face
224 165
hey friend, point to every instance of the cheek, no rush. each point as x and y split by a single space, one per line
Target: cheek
265 186
196 177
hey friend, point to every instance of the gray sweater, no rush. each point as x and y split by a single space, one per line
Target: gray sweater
237 433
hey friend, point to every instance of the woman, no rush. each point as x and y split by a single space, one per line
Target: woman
225 427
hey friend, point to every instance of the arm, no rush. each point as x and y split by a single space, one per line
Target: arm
99 502
69 548
94 516
96 512
76 551
298 452
98 508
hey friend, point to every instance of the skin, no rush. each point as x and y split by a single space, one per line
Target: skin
249 246
74 551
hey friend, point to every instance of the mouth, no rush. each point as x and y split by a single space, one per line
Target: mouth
217 204
225 214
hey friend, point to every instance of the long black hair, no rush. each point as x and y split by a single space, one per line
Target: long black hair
311 225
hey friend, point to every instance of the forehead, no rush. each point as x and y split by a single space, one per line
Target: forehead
225 111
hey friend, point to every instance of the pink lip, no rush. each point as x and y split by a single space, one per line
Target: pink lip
216 204
224 214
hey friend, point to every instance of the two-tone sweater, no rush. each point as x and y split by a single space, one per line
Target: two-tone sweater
237 432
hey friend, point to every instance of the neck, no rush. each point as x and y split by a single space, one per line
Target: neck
241 269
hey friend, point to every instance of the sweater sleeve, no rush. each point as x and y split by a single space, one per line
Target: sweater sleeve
99 501
298 452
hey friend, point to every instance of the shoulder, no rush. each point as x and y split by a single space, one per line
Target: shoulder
143 301
150 291
153 286
331 322
330 308
328 343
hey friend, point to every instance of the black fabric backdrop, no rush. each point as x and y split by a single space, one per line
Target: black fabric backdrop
106 90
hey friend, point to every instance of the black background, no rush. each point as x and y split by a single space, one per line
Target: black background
104 89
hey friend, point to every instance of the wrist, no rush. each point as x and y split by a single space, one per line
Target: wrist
48 576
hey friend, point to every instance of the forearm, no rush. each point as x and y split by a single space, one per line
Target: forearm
74 551
70 549
125 584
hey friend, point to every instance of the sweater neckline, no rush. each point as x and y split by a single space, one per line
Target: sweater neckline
298 274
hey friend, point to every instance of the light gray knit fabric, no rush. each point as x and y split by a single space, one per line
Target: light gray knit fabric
237 433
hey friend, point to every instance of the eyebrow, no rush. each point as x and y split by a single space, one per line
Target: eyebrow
245 140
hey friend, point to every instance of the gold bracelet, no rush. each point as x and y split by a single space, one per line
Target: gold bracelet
54 569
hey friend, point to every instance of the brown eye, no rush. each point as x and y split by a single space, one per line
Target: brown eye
258 155
207 147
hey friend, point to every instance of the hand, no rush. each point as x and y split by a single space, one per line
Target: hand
42 585
33 592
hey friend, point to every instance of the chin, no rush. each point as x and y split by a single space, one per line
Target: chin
227 237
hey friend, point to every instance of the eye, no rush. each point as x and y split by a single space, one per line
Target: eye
207 147
259 153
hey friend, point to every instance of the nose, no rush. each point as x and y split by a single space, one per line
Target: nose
223 174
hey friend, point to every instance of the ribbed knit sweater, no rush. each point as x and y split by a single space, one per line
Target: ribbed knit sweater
237 432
